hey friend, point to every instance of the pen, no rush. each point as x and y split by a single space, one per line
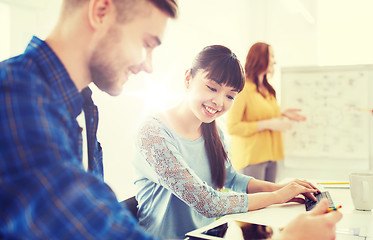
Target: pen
327 183
334 208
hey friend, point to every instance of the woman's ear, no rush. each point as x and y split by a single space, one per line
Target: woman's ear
99 12
187 78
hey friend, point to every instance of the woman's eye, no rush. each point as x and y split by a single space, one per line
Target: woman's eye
211 88
230 97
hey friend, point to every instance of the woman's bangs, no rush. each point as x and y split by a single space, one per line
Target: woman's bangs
227 73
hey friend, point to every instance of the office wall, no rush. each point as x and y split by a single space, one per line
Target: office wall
304 32
336 37
5 28
21 19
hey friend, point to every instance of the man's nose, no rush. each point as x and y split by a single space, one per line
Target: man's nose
147 65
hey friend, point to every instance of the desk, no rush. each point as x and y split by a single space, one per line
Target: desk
281 214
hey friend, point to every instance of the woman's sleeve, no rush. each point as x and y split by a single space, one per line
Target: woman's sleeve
170 170
236 125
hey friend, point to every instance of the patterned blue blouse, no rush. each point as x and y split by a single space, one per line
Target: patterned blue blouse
174 183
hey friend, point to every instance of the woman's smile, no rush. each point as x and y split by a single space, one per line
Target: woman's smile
210 111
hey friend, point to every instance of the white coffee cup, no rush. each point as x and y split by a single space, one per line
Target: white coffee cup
361 188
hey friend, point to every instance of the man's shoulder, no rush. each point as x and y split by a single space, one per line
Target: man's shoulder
20 75
18 64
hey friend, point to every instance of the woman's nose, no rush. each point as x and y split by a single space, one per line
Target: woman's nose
218 100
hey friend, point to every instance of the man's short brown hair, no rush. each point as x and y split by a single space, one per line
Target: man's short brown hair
168 6
127 8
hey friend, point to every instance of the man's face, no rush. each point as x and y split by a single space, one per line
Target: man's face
127 49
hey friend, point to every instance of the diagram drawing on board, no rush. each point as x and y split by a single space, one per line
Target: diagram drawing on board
332 99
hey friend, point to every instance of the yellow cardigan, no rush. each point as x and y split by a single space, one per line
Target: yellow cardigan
248 146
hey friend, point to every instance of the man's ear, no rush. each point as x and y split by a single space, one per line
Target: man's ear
99 12
187 78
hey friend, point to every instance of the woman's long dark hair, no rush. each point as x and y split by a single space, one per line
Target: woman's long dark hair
257 62
222 66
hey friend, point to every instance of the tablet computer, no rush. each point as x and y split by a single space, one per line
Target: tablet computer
234 229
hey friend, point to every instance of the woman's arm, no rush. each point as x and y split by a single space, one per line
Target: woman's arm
158 150
276 124
293 114
280 124
263 193
238 125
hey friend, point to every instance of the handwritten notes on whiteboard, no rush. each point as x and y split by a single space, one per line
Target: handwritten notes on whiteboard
332 99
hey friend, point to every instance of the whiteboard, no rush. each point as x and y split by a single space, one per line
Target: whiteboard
335 100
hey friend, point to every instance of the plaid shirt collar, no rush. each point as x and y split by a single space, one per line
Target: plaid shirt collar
56 75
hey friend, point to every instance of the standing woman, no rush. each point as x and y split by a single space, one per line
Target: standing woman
181 162
255 121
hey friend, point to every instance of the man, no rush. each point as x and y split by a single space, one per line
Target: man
45 193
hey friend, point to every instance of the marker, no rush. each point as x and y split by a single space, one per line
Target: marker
332 183
334 208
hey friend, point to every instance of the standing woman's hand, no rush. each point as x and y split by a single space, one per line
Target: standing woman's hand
293 114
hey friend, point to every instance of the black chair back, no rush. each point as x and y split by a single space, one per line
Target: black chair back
131 204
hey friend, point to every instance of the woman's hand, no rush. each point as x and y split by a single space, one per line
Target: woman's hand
292 114
289 192
262 194
315 224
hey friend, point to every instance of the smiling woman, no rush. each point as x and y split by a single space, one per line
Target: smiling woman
180 160
189 140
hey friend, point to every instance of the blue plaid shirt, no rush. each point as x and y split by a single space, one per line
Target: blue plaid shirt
44 191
